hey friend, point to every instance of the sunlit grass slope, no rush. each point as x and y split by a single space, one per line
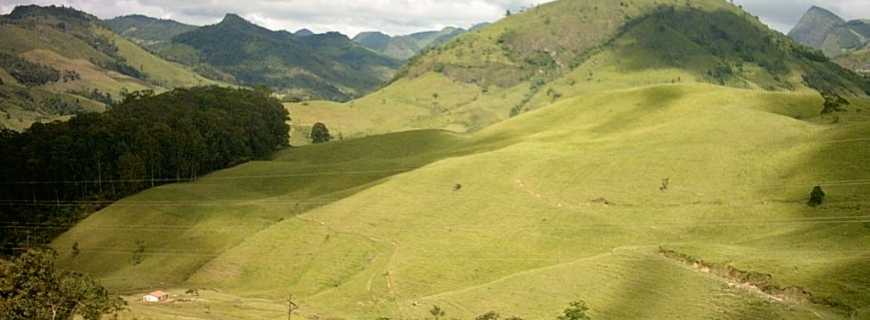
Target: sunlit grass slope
158 71
570 48
558 204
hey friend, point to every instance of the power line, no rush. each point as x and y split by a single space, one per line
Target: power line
171 180
651 224
313 174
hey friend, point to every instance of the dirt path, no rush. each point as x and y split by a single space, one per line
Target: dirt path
523 273
745 287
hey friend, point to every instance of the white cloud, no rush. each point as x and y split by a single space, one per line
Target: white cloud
348 16
390 16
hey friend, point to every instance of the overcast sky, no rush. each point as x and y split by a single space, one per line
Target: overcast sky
390 16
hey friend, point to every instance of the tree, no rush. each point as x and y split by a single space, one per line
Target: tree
576 311
320 134
817 197
143 141
31 288
437 312
492 315
139 253
75 249
131 169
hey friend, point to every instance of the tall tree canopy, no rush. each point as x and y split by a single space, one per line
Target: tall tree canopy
32 289
53 172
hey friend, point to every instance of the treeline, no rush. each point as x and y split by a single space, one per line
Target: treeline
54 173
26 72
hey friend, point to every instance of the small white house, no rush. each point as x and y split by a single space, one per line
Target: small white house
155 297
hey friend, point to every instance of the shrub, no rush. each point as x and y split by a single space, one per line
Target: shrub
833 102
437 312
320 134
438 67
32 288
576 311
817 197
492 315
26 72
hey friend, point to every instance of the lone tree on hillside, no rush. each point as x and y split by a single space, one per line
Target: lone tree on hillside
320 134
817 197
32 288
576 311
492 315
437 312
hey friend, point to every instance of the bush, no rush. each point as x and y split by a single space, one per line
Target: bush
438 67
576 311
833 102
320 134
817 197
26 72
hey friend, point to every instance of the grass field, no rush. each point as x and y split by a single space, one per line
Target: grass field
437 195
160 72
558 204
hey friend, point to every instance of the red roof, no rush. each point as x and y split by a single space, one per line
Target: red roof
157 294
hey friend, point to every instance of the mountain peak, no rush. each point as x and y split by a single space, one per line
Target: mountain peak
60 12
303 32
814 26
232 18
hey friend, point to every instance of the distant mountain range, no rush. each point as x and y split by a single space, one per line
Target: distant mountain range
302 65
848 42
56 62
147 30
407 46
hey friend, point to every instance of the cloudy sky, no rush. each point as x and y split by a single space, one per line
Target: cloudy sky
390 16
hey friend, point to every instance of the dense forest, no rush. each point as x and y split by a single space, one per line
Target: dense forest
54 174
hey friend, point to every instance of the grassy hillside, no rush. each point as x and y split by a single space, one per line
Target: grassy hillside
406 46
146 30
561 203
92 65
657 169
566 49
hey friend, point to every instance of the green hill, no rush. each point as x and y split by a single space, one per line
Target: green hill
554 205
84 65
327 66
569 48
406 46
639 176
147 31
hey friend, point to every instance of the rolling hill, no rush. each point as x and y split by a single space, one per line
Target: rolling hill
639 175
571 48
82 66
325 66
845 41
147 31
406 46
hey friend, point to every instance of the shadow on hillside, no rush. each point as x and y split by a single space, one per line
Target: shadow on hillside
635 291
651 100
840 165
